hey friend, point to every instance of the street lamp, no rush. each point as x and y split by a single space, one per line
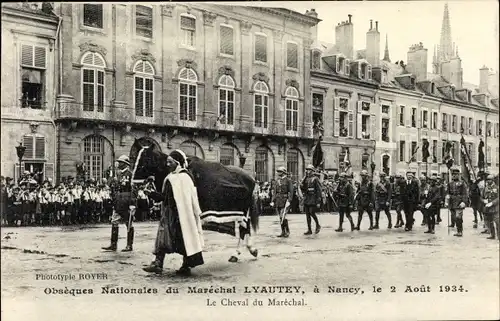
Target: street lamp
243 159
20 153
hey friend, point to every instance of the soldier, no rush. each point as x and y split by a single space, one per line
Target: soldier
457 196
442 188
345 196
490 201
411 200
475 198
397 197
424 191
282 199
311 188
365 198
124 207
383 194
432 203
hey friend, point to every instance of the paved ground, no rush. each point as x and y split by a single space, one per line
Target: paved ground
360 260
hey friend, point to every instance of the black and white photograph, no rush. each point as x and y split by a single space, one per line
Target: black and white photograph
253 160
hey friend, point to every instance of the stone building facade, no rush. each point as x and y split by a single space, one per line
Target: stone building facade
223 83
29 66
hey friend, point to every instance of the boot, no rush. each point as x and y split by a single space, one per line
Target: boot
389 218
114 239
309 231
287 229
155 267
318 228
130 240
282 230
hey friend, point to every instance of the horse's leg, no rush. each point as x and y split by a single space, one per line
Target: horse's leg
234 257
249 242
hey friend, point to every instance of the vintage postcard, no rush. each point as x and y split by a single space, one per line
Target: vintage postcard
289 160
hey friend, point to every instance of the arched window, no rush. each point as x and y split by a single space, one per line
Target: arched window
386 164
191 148
93 86
187 94
292 108
144 88
227 155
261 104
93 156
226 100
261 164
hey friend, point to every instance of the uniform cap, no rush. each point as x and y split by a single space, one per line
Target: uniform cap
27 173
398 176
309 167
343 175
364 172
490 177
382 174
151 178
124 159
455 169
281 169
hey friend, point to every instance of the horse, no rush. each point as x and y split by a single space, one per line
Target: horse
226 194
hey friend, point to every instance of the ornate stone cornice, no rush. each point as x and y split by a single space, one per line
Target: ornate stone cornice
167 10
226 70
260 76
209 18
92 47
245 26
144 54
188 63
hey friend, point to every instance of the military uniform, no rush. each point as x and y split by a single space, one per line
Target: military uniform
424 191
383 195
431 205
124 206
490 201
457 197
344 193
311 189
397 198
365 199
281 195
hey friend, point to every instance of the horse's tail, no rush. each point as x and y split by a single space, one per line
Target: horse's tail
255 212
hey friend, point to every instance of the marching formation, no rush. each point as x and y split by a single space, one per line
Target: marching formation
186 193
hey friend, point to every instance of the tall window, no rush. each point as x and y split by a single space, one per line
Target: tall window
479 128
93 82
144 89
463 125
413 151
93 154
292 55
260 48
434 120
92 15
188 30
226 100
425 119
227 155
261 164
402 147
434 151
444 125
33 67
261 104
488 129
292 108
35 147
454 123
317 109
488 155
187 94
401 115
414 117
471 122
144 21
226 40
292 163
385 129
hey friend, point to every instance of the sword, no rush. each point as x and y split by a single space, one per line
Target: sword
282 218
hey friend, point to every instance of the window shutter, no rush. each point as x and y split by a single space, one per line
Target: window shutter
336 117
39 147
351 124
439 151
418 155
407 117
40 56
27 55
337 64
408 150
450 125
359 121
28 143
398 151
49 171
347 67
17 171
369 72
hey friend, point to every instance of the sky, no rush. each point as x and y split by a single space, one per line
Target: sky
474 27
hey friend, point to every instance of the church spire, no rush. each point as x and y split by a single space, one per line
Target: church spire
445 44
386 53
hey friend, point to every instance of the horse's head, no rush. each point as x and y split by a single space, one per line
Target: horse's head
150 162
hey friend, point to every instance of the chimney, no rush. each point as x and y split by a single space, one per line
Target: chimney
483 79
373 45
376 25
417 61
344 37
